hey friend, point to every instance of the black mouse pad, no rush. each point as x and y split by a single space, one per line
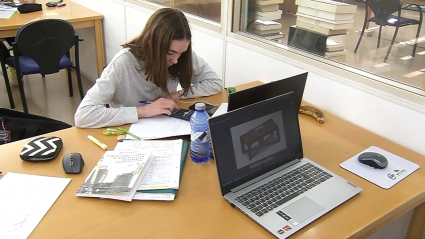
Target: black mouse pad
41 149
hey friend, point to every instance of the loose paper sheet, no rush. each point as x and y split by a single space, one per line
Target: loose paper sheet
24 200
159 126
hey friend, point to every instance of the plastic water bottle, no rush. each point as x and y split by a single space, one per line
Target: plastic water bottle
200 149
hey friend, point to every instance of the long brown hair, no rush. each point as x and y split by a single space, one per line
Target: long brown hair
152 45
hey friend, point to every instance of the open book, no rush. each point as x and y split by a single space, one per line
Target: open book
117 175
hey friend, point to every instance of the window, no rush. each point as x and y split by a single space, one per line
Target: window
331 30
208 9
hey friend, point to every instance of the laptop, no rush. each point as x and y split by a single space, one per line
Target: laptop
249 96
263 173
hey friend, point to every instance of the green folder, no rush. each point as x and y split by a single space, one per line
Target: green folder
185 148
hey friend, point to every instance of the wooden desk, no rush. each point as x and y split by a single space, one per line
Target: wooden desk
77 15
200 211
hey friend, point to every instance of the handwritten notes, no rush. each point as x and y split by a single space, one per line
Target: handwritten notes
160 126
164 171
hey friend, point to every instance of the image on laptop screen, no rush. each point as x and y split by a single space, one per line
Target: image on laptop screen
255 139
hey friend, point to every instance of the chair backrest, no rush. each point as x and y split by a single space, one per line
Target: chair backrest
382 9
46 41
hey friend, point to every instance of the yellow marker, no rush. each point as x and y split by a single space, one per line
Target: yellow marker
98 142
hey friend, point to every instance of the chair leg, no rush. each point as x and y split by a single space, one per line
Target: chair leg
392 42
419 29
6 81
363 29
379 37
71 91
80 84
21 91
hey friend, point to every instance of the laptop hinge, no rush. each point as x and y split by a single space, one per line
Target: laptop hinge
259 178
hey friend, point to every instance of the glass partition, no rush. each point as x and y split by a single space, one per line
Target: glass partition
331 30
208 9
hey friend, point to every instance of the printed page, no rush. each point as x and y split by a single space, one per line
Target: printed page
24 200
154 196
164 171
159 126
117 175
221 110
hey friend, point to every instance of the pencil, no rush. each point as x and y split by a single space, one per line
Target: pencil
98 142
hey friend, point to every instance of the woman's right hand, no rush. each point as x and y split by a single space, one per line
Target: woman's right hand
158 107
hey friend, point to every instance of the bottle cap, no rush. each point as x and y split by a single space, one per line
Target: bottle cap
200 106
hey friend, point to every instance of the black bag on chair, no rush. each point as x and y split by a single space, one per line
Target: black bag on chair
15 125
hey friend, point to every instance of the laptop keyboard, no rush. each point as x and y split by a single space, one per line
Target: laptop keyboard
282 189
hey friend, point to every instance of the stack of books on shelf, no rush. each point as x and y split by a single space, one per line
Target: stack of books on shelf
334 48
266 11
325 16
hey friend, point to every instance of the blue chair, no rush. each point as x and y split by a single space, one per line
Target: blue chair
382 9
42 47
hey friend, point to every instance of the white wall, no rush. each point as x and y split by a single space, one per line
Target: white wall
114 31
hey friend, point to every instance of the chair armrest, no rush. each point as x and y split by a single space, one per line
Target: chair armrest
6 44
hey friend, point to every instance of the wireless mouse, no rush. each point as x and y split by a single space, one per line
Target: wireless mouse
51 4
73 163
373 159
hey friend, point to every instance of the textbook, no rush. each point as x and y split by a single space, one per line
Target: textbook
266 25
165 194
117 175
319 29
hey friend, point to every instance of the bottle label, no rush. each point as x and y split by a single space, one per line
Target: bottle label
200 137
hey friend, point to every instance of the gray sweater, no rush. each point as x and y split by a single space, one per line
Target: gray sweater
122 85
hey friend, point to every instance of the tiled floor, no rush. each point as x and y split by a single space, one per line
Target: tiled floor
48 97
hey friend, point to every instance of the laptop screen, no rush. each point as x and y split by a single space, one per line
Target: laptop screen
253 140
256 94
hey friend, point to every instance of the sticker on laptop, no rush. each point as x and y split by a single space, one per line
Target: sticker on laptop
287 218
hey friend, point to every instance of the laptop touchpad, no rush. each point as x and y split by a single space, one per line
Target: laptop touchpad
302 209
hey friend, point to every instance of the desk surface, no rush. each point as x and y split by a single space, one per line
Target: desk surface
72 12
200 211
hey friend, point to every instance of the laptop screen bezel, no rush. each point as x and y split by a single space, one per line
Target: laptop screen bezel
255 94
216 120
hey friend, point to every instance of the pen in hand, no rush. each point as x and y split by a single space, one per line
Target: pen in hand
144 102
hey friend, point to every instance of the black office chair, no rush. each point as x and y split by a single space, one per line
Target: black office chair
382 9
41 47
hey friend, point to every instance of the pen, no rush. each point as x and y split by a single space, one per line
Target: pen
135 136
144 102
98 142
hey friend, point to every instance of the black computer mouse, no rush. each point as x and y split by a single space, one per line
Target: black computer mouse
73 163
51 4
373 159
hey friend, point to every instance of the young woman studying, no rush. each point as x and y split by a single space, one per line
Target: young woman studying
149 68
